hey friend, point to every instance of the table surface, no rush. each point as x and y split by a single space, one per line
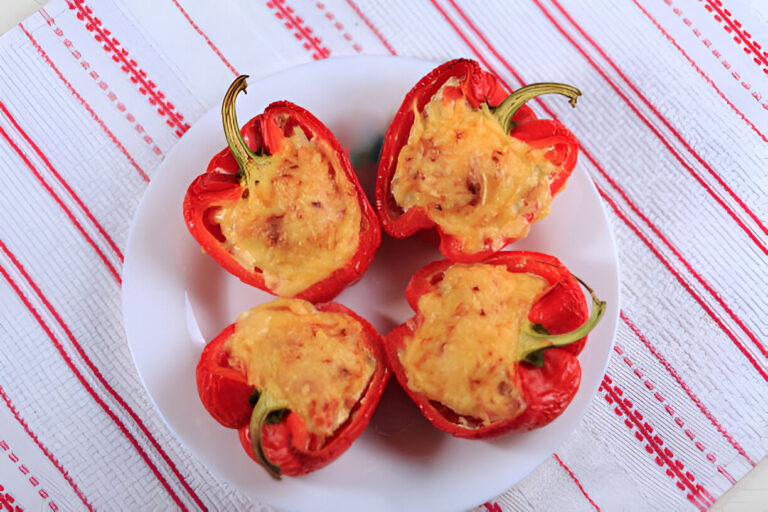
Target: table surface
749 494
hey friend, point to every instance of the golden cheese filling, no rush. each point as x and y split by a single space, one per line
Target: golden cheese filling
299 217
465 351
316 362
472 179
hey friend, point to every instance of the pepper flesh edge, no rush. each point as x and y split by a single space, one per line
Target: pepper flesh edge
479 86
547 390
294 461
220 182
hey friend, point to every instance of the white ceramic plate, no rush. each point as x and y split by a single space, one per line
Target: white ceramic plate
175 298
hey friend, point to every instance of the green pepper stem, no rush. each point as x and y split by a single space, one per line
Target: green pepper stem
243 155
504 112
534 337
261 411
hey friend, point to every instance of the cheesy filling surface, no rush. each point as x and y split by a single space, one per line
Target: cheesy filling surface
298 219
315 362
465 351
472 179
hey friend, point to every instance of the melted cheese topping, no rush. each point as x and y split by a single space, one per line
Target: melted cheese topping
314 361
298 219
472 179
465 351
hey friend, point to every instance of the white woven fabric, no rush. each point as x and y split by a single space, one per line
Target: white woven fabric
674 128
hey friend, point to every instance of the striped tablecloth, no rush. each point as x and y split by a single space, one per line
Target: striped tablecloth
674 132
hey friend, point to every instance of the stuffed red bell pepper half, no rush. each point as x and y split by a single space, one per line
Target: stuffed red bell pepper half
299 381
493 345
281 207
467 157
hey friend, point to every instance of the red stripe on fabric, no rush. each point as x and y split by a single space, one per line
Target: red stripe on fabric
61 204
85 104
675 251
647 102
47 17
63 182
700 71
111 95
621 400
717 54
573 477
120 55
43 448
663 140
286 11
675 375
685 285
711 498
667 406
698 277
371 26
726 475
97 373
726 16
602 172
7 500
207 40
338 26
91 391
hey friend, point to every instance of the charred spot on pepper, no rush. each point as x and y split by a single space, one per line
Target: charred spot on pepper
273 229
275 417
536 358
453 417
436 278
505 388
254 398
474 185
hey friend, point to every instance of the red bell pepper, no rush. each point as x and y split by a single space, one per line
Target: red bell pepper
226 177
271 435
552 336
480 89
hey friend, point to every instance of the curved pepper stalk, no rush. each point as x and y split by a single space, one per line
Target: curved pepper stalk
266 412
509 107
247 160
536 338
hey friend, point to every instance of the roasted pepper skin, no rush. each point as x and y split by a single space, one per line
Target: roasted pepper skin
225 392
221 182
477 86
547 390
